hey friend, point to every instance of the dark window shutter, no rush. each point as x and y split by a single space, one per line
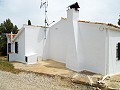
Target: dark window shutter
9 47
118 51
26 58
16 47
8 57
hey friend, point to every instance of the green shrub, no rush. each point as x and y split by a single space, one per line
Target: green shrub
7 66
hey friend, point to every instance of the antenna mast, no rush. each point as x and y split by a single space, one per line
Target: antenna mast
45 5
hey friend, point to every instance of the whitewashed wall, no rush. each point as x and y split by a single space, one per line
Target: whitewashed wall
93 43
114 64
34 41
58 41
74 55
81 46
46 46
31 43
21 47
20 56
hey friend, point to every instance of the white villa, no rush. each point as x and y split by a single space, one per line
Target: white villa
81 45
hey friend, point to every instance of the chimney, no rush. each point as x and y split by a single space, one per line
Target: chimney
73 12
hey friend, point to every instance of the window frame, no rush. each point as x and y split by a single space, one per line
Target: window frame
16 47
118 51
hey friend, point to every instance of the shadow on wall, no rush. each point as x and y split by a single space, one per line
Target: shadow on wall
41 35
43 44
46 46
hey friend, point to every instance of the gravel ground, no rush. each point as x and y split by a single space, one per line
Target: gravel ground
31 81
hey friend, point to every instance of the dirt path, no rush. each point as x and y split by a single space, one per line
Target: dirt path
47 66
31 81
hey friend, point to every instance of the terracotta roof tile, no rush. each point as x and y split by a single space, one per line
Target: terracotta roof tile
9 35
109 24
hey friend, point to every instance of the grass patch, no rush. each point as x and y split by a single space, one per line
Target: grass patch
7 66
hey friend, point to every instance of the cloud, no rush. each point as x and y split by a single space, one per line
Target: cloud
22 10
100 10
19 11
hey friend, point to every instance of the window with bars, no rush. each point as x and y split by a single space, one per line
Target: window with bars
118 51
16 47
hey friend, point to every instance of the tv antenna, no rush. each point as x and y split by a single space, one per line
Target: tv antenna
44 4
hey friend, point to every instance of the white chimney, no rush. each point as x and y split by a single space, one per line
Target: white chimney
74 55
73 12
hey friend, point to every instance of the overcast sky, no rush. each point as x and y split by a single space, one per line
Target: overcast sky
19 11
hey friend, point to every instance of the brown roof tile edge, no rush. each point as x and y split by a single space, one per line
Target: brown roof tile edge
9 35
109 24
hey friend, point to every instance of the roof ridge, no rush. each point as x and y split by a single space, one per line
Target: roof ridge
33 26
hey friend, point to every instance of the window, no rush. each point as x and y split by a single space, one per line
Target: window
16 47
118 51
26 58
9 47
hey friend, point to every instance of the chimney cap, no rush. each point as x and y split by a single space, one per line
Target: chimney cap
75 6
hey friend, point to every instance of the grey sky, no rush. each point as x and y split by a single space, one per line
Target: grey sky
19 11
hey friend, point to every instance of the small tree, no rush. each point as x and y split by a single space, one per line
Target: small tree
8 27
29 22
